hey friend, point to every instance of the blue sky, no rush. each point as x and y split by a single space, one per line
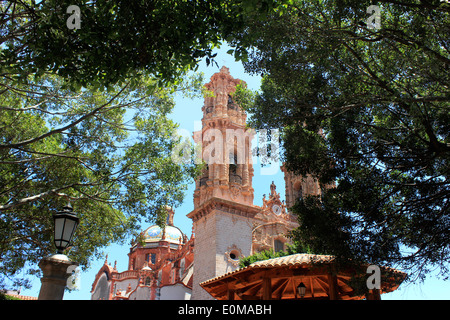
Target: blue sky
186 113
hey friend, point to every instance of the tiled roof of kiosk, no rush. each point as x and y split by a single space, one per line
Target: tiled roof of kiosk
286 261
294 260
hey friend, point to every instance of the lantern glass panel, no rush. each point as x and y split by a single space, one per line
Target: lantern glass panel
59 229
69 229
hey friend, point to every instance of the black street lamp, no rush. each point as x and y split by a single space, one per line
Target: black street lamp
66 221
54 268
301 289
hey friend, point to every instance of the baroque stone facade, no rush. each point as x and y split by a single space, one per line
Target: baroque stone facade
163 263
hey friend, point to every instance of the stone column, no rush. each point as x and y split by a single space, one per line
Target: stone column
55 276
245 175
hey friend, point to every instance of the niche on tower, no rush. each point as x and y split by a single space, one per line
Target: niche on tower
230 104
205 176
234 175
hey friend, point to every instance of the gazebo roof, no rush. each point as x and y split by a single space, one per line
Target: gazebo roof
278 278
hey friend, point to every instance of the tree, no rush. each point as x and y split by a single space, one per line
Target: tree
381 97
120 39
109 154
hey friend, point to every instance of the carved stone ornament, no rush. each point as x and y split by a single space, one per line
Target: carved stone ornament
233 254
235 191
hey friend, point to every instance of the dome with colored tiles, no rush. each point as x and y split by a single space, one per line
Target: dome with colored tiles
169 233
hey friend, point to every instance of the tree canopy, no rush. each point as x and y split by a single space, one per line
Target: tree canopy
120 39
83 115
368 109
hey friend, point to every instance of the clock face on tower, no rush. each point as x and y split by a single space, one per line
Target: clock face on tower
276 209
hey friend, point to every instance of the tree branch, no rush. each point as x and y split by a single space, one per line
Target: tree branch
60 130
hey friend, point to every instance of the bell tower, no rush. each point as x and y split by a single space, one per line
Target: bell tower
223 197
299 187
225 144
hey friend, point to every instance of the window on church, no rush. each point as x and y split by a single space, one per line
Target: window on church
147 281
232 157
298 192
278 245
232 168
230 103
181 268
205 176
150 257
234 255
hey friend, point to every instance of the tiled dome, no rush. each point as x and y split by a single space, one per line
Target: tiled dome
155 234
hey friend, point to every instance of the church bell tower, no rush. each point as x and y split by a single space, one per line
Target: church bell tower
226 145
223 197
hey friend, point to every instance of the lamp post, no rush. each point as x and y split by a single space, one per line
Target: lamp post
301 289
54 268
66 221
